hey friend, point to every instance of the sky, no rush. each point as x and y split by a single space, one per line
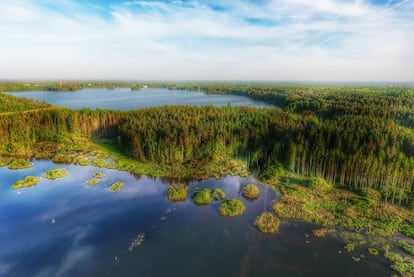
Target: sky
266 40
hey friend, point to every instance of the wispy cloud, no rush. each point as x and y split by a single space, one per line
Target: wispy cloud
264 40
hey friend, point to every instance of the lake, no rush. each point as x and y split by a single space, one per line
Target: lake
125 99
66 228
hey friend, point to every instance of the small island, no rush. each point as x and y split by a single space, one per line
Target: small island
251 192
202 197
27 182
116 186
177 192
267 223
218 194
54 174
231 207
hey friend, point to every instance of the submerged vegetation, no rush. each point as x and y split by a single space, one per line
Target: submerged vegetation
177 192
231 207
251 192
267 223
56 173
26 182
116 186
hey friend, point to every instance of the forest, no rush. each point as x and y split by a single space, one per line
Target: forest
354 137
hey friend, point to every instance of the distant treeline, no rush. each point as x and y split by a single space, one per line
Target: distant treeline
368 143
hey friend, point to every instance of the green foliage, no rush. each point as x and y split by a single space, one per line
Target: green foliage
231 207
319 184
27 182
406 247
177 192
402 265
339 207
218 194
354 137
92 182
56 173
83 161
19 164
202 197
116 186
251 192
267 223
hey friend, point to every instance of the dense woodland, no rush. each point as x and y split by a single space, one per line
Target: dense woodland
355 137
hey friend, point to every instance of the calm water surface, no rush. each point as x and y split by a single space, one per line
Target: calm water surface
125 99
94 228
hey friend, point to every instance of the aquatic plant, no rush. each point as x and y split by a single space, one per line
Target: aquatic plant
26 182
116 186
218 194
267 223
373 251
202 197
251 192
177 192
98 175
231 207
56 173
92 182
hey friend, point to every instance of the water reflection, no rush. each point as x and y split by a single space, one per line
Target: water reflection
94 228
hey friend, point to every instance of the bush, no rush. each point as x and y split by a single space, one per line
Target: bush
177 192
56 173
218 194
202 197
231 207
319 184
267 223
251 192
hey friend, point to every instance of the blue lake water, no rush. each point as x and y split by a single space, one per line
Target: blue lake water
66 228
125 99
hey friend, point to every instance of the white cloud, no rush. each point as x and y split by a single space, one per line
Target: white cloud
297 40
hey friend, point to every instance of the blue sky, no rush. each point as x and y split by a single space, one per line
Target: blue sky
318 40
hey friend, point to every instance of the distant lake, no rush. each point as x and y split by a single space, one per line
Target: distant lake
66 228
125 99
